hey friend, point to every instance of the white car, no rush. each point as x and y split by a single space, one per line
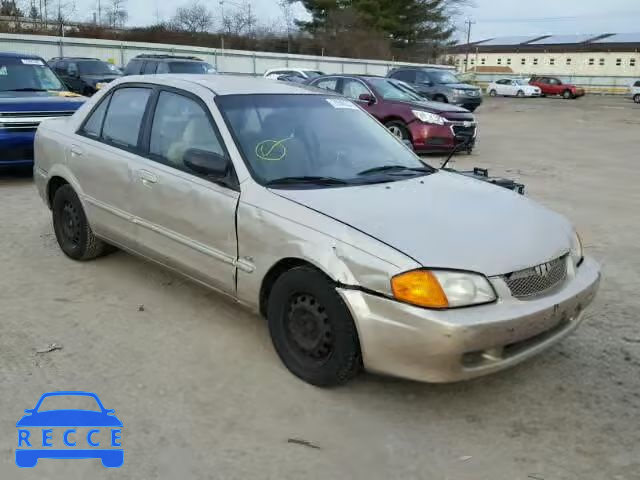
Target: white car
513 88
305 73
635 92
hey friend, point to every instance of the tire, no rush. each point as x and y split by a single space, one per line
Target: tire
312 330
520 94
493 93
440 98
567 95
636 98
399 130
73 232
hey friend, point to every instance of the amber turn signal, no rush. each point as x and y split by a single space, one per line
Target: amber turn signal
419 287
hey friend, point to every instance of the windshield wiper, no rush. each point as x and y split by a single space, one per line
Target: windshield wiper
26 90
306 179
392 168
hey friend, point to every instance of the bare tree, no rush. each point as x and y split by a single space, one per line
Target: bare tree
193 18
117 15
241 21
289 20
63 14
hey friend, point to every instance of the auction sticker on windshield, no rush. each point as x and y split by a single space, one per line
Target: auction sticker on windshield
53 429
340 103
32 61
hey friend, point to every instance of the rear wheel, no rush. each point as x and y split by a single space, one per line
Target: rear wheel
567 95
398 129
74 235
493 93
312 329
637 98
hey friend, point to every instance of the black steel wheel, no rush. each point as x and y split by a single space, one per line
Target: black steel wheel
73 232
312 329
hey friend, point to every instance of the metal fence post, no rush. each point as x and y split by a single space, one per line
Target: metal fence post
122 55
60 47
254 64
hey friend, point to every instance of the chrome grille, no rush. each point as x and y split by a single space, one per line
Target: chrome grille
536 280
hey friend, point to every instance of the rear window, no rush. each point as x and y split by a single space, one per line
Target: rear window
133 68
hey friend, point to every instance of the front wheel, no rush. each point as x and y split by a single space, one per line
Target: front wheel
567 95
637 98
399 130
520 94
312 329
72 229
440 98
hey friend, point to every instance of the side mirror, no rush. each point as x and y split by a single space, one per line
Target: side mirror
206 163
427 83
28 410
367 97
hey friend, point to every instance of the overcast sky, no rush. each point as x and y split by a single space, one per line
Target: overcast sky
493 17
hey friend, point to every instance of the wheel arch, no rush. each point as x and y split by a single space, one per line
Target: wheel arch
53 185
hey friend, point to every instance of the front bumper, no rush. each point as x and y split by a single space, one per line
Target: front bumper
459 344
16 148
427 138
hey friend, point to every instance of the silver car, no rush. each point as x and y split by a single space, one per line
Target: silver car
303 208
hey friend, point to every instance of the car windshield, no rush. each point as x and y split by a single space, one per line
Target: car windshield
191 67
390 90
94 68
27 75
316 141
69 402
313 73
444 77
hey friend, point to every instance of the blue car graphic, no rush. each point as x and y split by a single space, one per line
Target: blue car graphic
28 457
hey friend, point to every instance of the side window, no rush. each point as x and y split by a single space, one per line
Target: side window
93 126
503 82
328 84
423 77
353 89
124 117
61 67
163 67
637 84
408 76
180 124
149 68
133 68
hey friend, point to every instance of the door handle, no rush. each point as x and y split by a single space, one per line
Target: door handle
147 177
75 151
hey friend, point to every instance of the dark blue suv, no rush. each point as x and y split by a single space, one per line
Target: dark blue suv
30 92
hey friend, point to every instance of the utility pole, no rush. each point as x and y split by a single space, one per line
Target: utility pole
99 13
468 22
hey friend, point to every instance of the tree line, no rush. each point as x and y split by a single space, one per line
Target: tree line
410 30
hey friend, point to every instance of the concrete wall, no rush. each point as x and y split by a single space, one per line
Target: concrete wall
226 61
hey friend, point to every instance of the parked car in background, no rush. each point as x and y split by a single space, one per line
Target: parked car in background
635 92
30 92
305 209
152 64
84 75
430 127
293 79
513 87
305 73
440 85
554 86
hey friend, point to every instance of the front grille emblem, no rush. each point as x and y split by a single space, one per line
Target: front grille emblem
543 270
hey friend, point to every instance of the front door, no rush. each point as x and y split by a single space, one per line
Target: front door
184 220
352 89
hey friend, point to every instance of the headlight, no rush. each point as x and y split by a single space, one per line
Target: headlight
442 288
457 91
577 253
100 85
428 117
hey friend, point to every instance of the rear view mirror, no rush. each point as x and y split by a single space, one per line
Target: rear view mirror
206 163
367 97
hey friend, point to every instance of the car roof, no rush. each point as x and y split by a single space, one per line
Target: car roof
20 55
224 84
80 59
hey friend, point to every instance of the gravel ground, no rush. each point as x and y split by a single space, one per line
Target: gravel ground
202 394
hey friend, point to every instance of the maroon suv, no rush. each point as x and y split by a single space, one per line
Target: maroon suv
431 127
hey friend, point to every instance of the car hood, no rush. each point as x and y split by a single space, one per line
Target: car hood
100 78
435 107
447 220
39 101
69 418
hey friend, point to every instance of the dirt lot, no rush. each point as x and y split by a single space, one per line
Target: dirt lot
202 394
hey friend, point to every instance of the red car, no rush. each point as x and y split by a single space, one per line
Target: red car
553 86
431 127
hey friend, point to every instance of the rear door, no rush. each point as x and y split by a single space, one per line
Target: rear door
101 155
185 220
